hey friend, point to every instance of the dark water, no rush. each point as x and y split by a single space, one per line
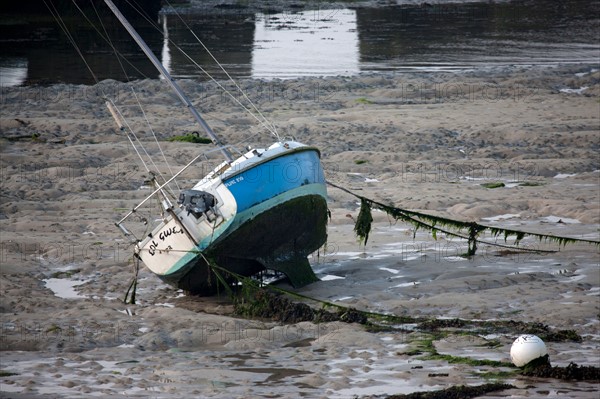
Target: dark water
342 41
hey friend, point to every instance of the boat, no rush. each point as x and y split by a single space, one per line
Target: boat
265 209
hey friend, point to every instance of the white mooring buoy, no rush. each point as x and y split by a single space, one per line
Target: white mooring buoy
527 348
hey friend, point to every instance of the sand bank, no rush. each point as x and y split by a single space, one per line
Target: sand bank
422 141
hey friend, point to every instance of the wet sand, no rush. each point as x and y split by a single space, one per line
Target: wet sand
422 141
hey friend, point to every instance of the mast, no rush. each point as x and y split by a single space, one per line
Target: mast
184 99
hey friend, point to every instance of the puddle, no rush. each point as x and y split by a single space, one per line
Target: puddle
501 217
165 305
564 175
574 91
344 298
64 288
329 277
558 219
409 284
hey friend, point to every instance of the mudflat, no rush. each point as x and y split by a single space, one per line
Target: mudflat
435 143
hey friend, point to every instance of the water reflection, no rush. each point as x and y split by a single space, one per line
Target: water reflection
229 39
316 43
13 71
166 52
479 34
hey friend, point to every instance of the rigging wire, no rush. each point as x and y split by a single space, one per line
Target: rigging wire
266 121
129 136
155 138
129 131
107 35
106 39
269 126
118 55
63 26
61 23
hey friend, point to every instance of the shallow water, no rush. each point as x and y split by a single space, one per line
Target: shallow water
209 356
326 42
64 288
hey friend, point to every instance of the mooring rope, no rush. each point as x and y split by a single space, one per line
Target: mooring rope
427 221
130 299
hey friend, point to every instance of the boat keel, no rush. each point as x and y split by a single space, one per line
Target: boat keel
297 270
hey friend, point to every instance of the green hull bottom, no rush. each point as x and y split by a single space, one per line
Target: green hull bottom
295 229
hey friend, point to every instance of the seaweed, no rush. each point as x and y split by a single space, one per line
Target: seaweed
363 221
469 231
467 360
493 185
530 184
257 301
483 327
427 351
573 372
34 137
456 392
436 324
191 138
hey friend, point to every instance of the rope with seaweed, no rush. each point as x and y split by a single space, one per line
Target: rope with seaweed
418 219
377 321
363 227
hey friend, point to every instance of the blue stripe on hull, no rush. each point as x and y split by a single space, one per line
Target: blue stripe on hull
262 187
274 177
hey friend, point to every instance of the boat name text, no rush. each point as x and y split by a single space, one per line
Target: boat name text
163 235
233 181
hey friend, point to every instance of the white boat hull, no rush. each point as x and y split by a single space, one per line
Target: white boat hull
271 213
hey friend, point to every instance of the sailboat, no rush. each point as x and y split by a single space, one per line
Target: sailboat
263 210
